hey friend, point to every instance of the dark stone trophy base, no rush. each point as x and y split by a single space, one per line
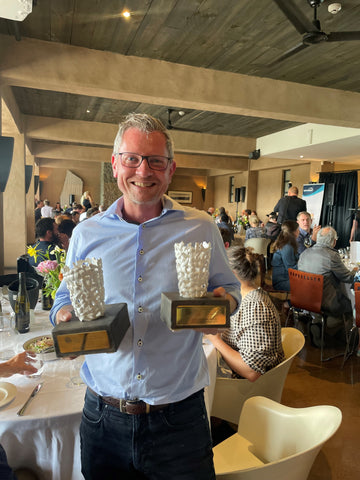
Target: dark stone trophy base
97 336
196 312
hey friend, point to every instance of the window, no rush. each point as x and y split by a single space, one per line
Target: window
286 181
231 190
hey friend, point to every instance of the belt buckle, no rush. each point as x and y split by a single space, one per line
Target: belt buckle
124 403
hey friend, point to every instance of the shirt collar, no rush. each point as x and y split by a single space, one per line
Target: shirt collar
169 205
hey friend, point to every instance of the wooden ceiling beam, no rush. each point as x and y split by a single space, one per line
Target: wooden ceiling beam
59 67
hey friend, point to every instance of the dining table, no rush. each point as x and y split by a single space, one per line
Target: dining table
46 438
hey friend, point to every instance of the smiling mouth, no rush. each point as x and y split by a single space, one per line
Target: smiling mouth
143 184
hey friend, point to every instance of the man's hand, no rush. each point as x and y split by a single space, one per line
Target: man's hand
64 314
315 232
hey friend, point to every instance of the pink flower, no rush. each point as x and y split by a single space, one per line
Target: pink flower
47 266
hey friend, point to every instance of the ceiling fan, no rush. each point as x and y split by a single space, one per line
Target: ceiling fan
169 125
310 30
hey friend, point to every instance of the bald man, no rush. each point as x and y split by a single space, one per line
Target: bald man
289 206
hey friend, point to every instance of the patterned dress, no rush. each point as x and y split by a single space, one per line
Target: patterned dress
255 332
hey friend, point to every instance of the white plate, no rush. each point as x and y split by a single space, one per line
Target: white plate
7 393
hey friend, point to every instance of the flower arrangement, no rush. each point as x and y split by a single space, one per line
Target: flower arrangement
51 270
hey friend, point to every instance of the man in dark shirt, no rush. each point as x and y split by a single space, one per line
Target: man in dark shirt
288 207
46 233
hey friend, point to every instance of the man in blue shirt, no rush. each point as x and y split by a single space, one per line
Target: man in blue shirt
163 372
307 235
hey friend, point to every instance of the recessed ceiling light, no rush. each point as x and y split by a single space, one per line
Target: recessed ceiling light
126 14
301 156
87 111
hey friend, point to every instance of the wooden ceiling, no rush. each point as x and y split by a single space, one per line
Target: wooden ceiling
239 36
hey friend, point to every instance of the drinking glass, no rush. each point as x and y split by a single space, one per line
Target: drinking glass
7 337
74 368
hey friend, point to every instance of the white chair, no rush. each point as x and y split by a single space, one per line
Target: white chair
259 245
231 393
275 442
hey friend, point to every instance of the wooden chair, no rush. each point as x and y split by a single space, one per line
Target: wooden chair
275 442
306 292
231 393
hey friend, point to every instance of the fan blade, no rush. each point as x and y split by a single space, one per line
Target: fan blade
289 53
343 36
296 17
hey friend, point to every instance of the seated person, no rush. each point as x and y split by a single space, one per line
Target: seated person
323 259
272 228
252 345
254 230
65 229
46 233
285 255
307 235
226 223
226 236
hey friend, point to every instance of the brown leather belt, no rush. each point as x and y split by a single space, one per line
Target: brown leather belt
131 407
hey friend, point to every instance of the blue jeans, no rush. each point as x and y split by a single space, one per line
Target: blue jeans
169 444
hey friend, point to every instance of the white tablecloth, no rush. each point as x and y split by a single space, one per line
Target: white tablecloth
46 439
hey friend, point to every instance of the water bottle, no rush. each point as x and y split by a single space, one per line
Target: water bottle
22 306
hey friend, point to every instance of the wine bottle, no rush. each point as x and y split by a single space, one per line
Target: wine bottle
22 306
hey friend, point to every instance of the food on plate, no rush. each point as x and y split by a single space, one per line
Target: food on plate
39 344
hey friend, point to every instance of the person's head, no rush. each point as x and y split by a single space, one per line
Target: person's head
211 211
226 236
57 205
75 216
293 192
224 218
244 263
304 221
143 181
91 212
327 237
272 217
288 235
39 203
102 208
46 202
44 229
254 221
247 212
65 229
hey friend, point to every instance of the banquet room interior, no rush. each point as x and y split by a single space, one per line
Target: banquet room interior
247 103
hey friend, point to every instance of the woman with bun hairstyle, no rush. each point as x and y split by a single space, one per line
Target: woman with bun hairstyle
252 344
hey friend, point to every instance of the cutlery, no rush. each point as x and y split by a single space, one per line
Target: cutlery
32 395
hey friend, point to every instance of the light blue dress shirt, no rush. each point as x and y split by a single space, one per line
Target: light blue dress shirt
152 363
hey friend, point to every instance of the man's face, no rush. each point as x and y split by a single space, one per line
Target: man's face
142 185
304 222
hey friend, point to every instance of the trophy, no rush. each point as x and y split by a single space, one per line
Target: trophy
94 327
193 306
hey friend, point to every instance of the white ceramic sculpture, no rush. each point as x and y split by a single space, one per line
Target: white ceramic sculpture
86 286
192 267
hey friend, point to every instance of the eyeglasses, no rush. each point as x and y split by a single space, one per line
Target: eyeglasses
134 160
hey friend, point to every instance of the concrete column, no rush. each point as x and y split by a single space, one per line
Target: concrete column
14 207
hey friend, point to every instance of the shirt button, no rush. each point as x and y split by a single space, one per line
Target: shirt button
140 309
140 278
143 226
141 252
140 343
139 376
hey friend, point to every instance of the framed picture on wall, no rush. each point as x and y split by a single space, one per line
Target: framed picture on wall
181 197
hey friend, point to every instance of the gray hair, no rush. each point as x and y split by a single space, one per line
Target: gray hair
145 123
303 213
326 236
